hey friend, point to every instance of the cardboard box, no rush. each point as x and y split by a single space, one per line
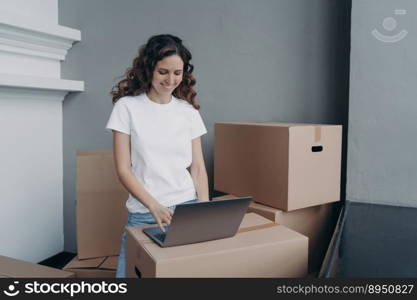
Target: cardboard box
284 165
260 249
316 222
101 205
100 267
15 268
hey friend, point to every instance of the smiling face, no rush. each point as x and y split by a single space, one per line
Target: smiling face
166 76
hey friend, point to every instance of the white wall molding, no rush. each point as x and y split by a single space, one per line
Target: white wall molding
14 94
21 35
20 83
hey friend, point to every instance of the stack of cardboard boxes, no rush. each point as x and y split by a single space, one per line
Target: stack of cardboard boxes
293 173
101 215
291 170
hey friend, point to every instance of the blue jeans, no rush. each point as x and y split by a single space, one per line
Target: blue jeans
135 219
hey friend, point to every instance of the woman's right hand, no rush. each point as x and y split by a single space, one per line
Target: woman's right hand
161 214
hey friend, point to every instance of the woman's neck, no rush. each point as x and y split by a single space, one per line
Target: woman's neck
159 98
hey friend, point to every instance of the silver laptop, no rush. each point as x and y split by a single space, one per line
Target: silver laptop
201 221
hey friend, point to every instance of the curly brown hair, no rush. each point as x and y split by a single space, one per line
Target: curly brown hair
138 78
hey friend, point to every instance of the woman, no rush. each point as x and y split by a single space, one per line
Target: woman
156 135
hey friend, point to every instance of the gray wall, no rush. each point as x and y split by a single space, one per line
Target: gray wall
254 60
382 164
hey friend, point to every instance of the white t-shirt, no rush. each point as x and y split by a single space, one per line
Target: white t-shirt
161 149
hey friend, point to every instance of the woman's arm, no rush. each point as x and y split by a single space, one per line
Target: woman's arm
121 149
198 171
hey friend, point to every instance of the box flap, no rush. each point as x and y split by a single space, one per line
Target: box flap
10 267
253 219
270 213
110 263
91 263
270 209
94 273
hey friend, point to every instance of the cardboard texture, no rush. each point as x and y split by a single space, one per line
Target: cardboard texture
14 268
100 267
283 165
316 222
101 210
263 250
